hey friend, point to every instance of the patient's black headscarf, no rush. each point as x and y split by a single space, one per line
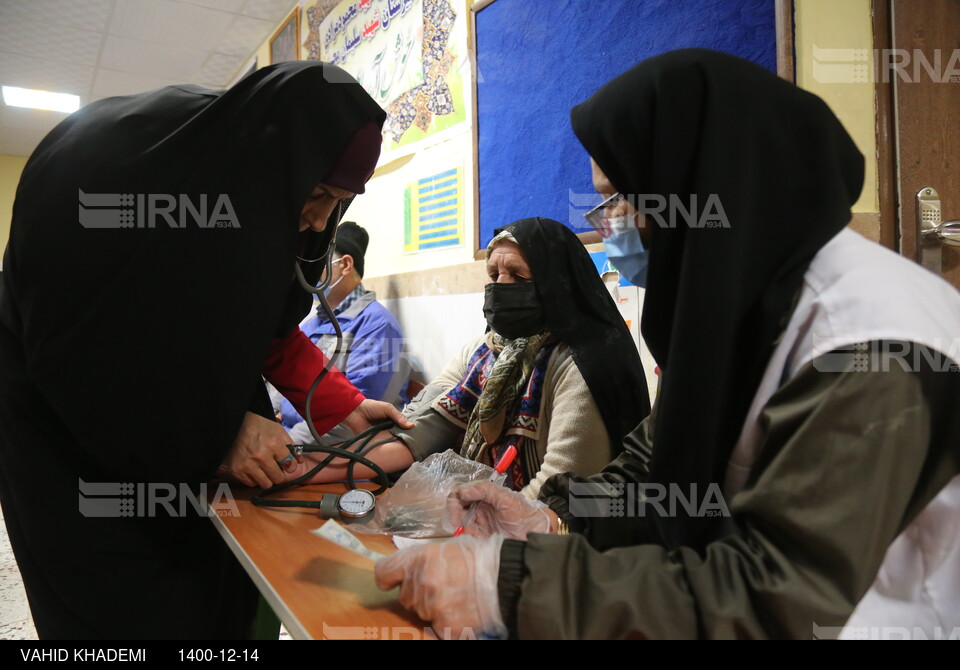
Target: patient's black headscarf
696 123
580 312
147 343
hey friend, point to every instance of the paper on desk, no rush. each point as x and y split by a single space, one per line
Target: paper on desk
403 542
337 534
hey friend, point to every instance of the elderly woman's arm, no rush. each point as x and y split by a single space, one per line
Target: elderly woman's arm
431 433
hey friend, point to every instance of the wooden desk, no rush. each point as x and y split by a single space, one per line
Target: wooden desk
317 589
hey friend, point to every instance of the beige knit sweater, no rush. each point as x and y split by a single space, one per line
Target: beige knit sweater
571 435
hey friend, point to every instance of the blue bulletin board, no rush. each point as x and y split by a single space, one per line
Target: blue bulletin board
535 60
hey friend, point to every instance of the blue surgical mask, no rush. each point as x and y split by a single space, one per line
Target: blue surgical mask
626 252
326 291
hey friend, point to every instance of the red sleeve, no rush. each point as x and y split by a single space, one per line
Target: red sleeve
292 365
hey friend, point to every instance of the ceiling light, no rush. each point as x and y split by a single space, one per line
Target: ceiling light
26 97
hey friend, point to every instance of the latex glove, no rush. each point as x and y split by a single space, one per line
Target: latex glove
259 455
500 510
371 412
452 584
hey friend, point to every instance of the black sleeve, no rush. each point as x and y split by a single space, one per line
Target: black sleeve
260 402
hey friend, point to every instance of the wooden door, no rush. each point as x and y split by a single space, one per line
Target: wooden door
923 66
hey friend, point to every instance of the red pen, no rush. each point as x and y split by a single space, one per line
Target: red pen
506 458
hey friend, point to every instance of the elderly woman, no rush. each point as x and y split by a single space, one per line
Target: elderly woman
178 277
557 375
807 373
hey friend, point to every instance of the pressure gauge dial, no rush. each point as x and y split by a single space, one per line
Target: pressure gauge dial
354 506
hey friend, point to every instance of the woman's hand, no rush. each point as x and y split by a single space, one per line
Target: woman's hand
374 411
257 453
451 583
500 510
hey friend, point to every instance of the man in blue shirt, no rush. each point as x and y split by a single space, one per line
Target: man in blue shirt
372 340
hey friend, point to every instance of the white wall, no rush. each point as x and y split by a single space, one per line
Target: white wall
436 327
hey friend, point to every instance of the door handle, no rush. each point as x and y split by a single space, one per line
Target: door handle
947 232
934 231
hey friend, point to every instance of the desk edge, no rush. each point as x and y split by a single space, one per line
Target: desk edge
292 624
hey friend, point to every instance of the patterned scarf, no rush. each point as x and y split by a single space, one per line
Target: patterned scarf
497 402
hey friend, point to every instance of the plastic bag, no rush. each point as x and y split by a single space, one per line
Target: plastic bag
416 506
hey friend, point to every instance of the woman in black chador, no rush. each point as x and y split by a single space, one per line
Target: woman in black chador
133 337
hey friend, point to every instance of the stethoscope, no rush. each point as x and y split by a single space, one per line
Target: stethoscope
356 504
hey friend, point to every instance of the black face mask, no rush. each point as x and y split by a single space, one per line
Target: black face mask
513 310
